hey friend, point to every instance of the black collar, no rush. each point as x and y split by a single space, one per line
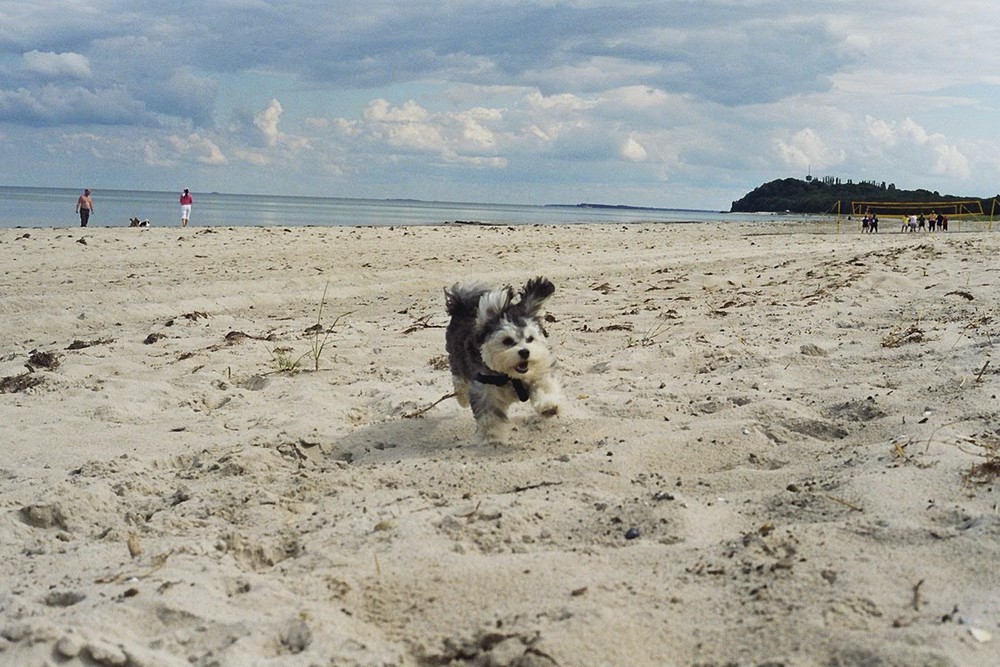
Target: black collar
499 380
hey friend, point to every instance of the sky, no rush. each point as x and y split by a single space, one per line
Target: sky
660 103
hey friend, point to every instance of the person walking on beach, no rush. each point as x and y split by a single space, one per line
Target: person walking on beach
186 201
84 206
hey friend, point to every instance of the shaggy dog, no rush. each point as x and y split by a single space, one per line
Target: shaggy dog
499 353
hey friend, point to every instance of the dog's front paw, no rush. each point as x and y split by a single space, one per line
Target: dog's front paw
548 405
550 410
547 397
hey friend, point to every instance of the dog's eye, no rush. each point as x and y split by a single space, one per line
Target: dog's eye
530 339
508 341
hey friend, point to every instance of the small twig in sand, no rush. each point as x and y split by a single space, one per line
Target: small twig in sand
843 502
421 323
539 485
417 413
979 378
950 350
927 447
916 595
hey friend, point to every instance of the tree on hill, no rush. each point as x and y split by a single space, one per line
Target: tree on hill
821 196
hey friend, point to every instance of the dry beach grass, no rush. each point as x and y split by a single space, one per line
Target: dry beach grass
780 447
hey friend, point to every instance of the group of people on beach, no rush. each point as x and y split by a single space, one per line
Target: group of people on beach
915 223
911 223
869 224
85 207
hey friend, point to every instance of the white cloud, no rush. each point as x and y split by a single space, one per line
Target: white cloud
267 122
806 148
950 161
454 137
908 128
474 126
633 151
53 104
205 150
563 103
404 127
907 135
381 111
881 130
892 132
57 65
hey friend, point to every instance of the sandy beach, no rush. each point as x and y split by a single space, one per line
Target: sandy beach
780 446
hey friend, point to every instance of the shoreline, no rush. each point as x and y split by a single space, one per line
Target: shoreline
24 208
798 426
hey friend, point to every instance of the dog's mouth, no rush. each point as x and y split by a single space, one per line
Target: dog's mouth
522 367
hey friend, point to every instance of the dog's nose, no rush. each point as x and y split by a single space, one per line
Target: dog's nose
523 353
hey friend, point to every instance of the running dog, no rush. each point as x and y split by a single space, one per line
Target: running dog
499 354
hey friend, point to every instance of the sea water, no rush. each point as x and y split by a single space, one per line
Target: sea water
56 207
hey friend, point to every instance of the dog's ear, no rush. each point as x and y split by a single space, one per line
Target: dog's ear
534 294
451 300
492 304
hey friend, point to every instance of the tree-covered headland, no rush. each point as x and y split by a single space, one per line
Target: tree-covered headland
831 195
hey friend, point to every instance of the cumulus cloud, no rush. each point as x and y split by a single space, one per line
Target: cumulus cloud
56 65
267 122
454 137
943 158
203 149
890 132
806 148
474 128
882 131
405 126
381 111
632 150
949 160
52 104
563 102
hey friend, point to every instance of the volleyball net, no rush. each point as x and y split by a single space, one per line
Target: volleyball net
965 208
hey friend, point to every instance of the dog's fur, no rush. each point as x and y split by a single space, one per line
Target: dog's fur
136 222
499 353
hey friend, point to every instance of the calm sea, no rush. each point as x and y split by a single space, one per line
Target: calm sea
55 207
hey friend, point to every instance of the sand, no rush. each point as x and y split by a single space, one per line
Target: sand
779 447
